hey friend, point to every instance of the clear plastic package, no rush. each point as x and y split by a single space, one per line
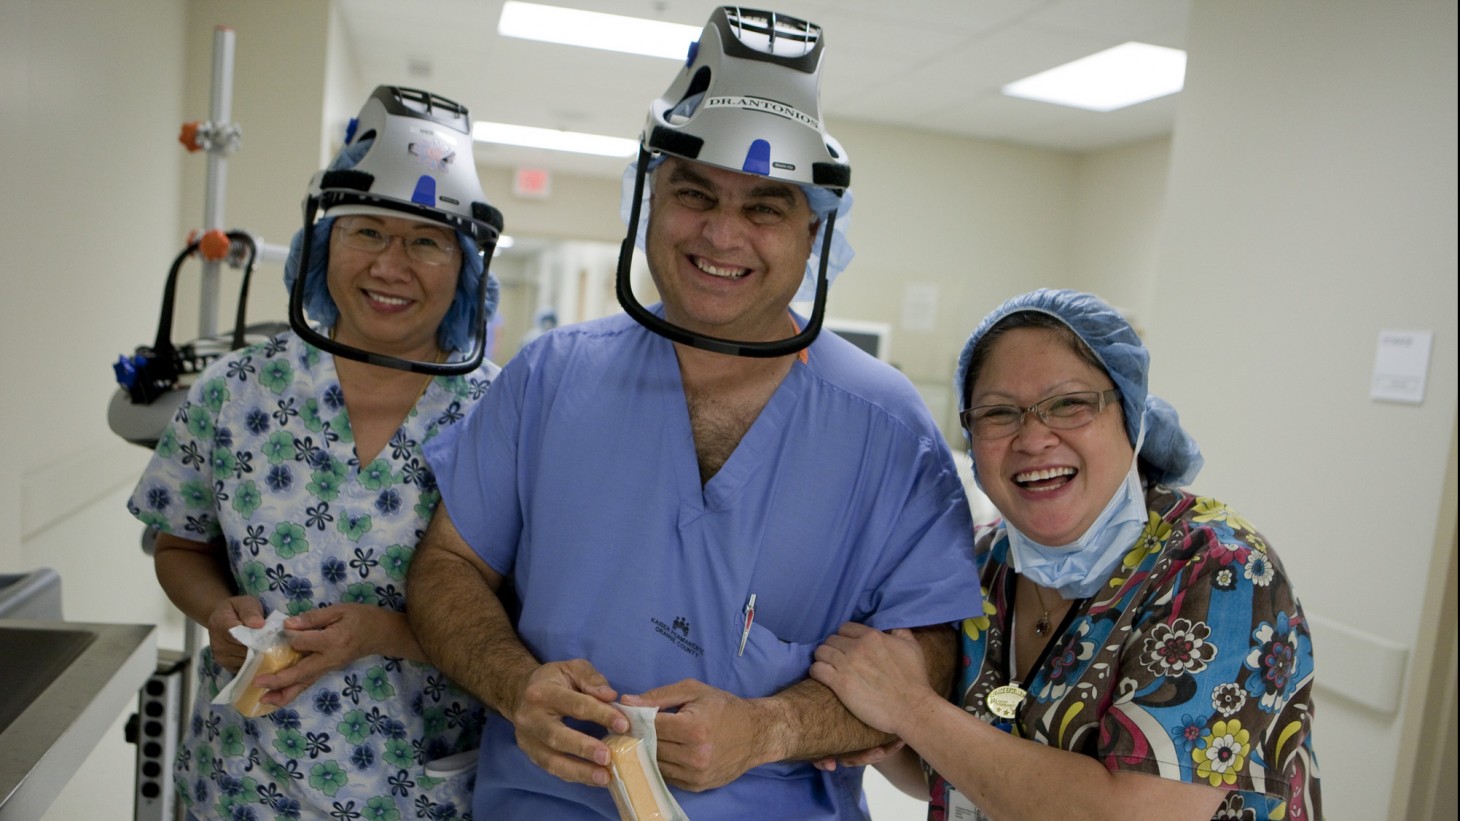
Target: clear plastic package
268 652
637 786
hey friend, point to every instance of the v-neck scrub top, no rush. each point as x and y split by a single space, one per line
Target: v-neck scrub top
577 478
261 457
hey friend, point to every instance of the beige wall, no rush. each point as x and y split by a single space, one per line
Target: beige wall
90 180
1312 204
91 97
996 222
1291 230
1121 194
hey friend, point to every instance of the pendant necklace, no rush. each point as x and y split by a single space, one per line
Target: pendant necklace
1041 627
1005 701
436 360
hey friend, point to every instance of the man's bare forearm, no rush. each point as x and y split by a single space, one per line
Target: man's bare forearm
461 623
810 723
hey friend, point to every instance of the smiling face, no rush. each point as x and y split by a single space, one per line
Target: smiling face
389 302
727 250
1050 484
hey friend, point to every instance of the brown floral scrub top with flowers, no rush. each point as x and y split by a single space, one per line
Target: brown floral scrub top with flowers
1194 662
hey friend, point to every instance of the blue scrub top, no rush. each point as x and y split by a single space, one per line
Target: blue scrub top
577 477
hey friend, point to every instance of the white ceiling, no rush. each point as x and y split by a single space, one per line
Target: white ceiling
934 65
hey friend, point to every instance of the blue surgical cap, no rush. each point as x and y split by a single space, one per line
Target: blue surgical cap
455 332
822 201
1168 452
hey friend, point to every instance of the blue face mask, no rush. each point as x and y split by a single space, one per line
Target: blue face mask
1079 569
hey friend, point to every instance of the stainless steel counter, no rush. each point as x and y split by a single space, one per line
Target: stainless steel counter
62 686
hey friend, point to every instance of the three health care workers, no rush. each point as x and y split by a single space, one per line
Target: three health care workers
634 485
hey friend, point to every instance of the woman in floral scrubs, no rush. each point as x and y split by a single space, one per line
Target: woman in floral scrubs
1142 652
292 480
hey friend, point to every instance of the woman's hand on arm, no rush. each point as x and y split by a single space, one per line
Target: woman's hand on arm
195 576
880 691
464 630
881 677
868 670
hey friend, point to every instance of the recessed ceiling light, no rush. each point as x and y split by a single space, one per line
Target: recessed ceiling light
1115 78
612 32
553 139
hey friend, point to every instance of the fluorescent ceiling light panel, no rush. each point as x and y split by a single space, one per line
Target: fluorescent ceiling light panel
590 29
1115 78
553 139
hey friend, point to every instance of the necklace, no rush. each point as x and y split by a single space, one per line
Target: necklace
1006 701
1041 627
424 386
436 359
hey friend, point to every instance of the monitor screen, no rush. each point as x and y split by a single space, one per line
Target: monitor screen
873 337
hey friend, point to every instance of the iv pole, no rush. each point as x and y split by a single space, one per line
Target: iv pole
226 141
219 137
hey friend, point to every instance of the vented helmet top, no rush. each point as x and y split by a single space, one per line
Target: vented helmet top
747 100
417 162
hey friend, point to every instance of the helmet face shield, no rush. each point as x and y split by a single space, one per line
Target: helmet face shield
747 100
408 154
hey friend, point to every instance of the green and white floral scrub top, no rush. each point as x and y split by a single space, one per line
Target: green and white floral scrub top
261 457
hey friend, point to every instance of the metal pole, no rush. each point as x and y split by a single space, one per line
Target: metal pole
222 101
218 150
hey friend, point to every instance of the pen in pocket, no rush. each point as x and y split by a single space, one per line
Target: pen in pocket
745 629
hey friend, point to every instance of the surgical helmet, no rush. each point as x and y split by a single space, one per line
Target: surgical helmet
747 99
417 162
408 154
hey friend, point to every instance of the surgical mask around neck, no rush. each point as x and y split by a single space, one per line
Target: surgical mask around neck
1077 570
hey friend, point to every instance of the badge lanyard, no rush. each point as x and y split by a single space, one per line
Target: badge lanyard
1006 701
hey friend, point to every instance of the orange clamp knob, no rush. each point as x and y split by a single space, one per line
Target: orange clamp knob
214 245
189 136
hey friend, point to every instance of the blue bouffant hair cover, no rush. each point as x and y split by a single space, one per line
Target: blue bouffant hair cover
1170 454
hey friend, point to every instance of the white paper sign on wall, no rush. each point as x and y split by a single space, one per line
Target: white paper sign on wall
1400 366
920 307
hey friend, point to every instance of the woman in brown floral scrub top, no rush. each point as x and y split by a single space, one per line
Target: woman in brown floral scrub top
1142 653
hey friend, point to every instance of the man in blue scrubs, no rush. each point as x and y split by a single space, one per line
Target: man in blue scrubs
632 485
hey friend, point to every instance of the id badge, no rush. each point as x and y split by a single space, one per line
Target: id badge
961 809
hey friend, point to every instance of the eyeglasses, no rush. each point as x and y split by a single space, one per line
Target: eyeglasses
1064 412
427 249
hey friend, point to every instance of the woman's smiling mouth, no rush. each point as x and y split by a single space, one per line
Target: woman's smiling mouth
1044 479
388 301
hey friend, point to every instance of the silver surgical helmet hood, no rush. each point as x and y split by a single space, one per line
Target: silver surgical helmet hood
751 62
408 154
1168 453
417 160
